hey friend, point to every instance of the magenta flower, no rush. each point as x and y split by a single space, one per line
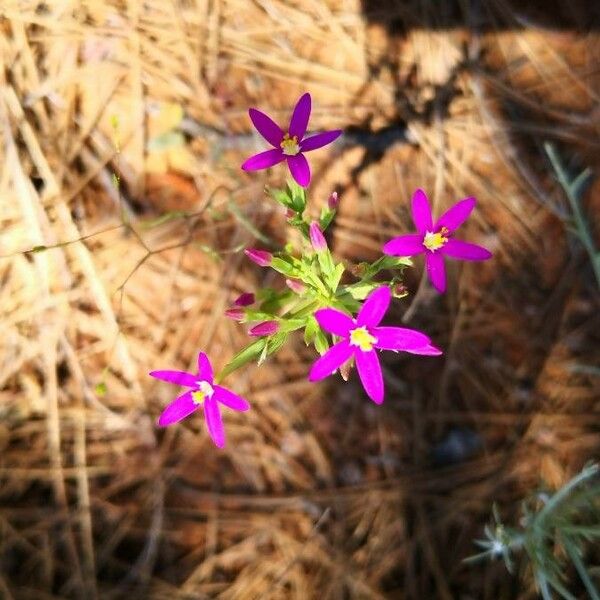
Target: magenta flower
261 257
264 328
317 239
288 145
236 313
436 240
245 299
203 392
361 337
296 286
333 201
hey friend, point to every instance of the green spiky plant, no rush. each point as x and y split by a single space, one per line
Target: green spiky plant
555 529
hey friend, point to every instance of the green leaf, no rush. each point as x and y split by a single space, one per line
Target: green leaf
289 325
310 330
297 195
100 389
243 357
284 267
321 342
336 276
37 249
386 262
326 217
360 290
274 343
281 196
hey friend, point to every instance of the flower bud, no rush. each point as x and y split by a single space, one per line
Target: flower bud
316 237
261 257
245 299
295 286
235 313
264 328
333 201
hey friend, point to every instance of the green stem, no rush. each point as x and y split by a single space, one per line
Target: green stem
587 582
583 230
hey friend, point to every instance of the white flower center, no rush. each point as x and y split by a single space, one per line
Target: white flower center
289 145
362 338
205 390
434 241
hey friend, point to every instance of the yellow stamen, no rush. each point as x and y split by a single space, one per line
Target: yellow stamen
289 145
362 338
434 241
205 391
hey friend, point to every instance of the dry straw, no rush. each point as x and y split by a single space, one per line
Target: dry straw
319 494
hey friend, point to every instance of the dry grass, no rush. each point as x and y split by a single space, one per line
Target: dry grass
319 494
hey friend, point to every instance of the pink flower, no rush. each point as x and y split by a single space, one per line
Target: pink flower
296 286
265 328
236 313
203 392
316 237
361 337
333 201
436 239
261 257
290 145
245 299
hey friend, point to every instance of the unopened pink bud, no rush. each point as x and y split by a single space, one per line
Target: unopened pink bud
235 313
245 299
316 237
333 201
295 286
290 213
261 257
265 328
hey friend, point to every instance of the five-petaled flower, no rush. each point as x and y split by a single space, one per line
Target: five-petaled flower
435 239
203 392
362 337
288 145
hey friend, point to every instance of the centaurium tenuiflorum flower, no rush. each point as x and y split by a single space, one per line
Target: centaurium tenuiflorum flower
288 145
361 337
317 239
260 257
245 299
203 393
436 239
264 328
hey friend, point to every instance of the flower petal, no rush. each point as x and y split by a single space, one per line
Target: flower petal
176 377
421 212
327 365
229 399
266 127
319 140
179 409
429 350
465 250
456 215
264 160
334 321
374 307
405 245
299 120
399 338
214 423
436 270
369 371
205 371
299 169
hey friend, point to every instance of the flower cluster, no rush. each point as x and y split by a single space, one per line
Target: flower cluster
339 310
